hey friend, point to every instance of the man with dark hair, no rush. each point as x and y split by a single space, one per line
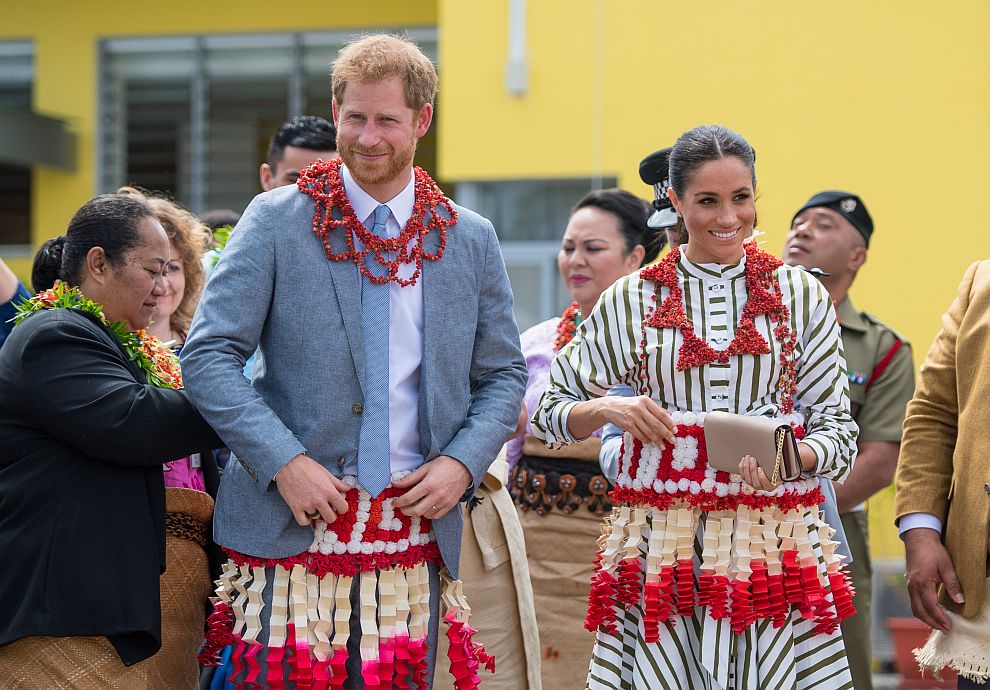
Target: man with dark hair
831 232
296 144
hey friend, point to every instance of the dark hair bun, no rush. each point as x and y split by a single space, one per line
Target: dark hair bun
47 266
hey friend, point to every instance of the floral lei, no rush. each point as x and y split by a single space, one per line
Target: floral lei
322 182
569 321
765 298
156 359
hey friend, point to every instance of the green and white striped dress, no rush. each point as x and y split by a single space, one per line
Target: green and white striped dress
699 651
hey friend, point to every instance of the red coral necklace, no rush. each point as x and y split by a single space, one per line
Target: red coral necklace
567 327
322 182
765 298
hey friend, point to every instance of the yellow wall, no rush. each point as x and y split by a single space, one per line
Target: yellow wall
887 99
66 36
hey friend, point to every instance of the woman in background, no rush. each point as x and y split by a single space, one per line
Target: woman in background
562 494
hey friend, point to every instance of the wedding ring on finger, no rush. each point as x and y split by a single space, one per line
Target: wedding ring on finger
435 509
312 515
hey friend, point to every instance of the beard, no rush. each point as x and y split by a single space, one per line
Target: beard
394 165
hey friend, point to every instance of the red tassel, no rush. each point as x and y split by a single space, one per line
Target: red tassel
741 614
651 612
386 661
338 668
601 603
219 627
417 651
630 582
713 592
842 592
778 602
792 577
685 587
761 590
466 656
667 584
237 663
297 655
812 592
275 678
402 667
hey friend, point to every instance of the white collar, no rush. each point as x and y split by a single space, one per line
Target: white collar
364 205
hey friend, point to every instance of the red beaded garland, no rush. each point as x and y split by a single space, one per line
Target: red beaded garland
567 326
765 298
321 180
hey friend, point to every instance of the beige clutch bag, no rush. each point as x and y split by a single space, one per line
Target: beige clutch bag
728 437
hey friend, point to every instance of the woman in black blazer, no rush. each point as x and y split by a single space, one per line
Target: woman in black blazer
86 421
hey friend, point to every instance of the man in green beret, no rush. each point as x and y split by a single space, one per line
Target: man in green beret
831 232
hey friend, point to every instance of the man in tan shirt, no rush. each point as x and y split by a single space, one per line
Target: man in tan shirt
943 487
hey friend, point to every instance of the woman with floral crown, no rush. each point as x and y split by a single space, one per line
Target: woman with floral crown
707 578
562 495
90 408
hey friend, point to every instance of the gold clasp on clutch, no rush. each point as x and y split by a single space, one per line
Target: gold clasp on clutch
779 437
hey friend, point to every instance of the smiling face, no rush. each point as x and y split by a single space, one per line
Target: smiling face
175 290
719 210
377 134
130 291
593 255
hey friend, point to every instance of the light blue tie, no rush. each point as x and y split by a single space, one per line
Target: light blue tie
374 450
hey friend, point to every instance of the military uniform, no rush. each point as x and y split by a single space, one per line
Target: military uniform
881 382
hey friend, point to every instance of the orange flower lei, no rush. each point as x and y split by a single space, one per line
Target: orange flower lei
567 327
156 359
322 182
765 298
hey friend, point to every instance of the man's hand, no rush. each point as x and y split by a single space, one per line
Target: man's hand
928 564
433 488
310 490
641 416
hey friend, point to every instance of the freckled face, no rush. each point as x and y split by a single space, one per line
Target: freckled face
377 132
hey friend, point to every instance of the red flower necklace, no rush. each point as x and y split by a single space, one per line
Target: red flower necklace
322 182
765 298
567 327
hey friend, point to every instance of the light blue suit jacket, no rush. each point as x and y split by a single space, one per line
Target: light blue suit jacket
275 290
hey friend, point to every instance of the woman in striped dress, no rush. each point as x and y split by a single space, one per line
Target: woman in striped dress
707 579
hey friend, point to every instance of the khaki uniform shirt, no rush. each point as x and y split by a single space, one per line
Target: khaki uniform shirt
881 374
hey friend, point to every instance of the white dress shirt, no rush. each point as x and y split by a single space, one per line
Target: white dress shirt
916 520
405 327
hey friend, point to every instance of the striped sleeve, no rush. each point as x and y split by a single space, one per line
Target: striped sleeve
602 354
822 383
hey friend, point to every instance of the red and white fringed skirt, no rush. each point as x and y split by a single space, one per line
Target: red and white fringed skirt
299 609
713 542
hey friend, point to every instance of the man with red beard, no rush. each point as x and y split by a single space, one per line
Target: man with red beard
389 375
